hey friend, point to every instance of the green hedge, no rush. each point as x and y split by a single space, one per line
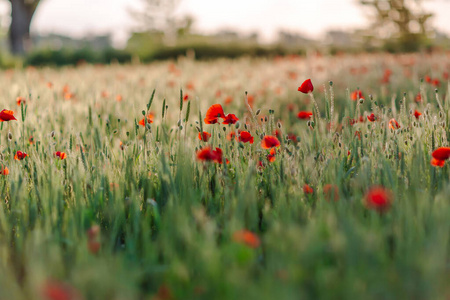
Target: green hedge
204 52
72 57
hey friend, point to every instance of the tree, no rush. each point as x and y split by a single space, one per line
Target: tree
159 15
22 12
399 17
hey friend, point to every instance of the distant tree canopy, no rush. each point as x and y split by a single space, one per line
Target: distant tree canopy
159 15
22 12
402 17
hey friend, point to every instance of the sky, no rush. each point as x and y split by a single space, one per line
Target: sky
312 18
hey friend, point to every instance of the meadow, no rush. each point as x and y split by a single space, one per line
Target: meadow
130 182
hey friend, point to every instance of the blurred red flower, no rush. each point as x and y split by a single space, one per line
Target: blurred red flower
378 198
306 87
247 237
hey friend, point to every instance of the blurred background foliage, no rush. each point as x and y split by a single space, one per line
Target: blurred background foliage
396 26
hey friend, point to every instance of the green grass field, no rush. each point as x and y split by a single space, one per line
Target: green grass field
103 207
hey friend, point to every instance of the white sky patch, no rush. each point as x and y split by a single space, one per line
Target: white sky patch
311 18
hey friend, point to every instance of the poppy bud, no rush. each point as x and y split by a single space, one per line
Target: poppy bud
441 115
179 123
279 125
361 100
308 123
261 136
330 83
436 91
237 125
258 112
224 129
52 134
181 127
148 126
115 131
9 136
266 119
245 126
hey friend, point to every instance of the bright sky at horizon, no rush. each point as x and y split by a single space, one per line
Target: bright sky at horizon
312 18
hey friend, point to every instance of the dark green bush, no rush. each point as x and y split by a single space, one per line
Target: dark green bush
205 52
64 57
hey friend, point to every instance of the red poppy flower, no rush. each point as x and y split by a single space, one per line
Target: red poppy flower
371 117
104 94
427 79
437 163
60 154
270 141
206 154
418 97
7 115
417 114
378 198
436 82
231 136
119 98
393 124
292 137
20 100
245 137
149 120
4 170
186 97
442 153
331 192
20 155
93 234
214 113
352 122
204 136
306 87
305 115
307 189
246 237
277 133
230 119
386 76
54 290
68 96
356 95
271 155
